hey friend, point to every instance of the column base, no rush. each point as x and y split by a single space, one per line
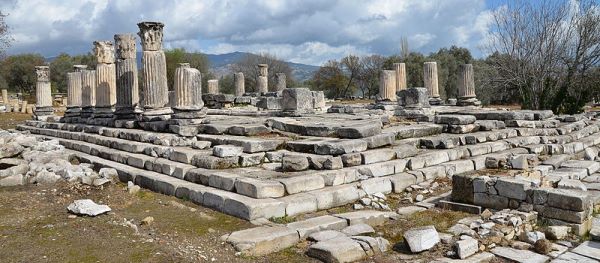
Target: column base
468 102
185 122
102 116
126 123
435 101
157 126
72 115
86 112
127 113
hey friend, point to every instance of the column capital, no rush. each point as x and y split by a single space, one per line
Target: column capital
43 73
151 34
104 51
125 46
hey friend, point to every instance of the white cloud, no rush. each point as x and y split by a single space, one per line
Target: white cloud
305 31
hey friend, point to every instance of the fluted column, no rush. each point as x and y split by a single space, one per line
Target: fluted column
400 69
213 86
74 94
240 88
43 95
430 79
4 96
466 86
154 69
127 77
188 88
387 85
106 83
88 92
262 82
281 81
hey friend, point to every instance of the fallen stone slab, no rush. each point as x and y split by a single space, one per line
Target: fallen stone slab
454 119
263 240
358 229
482 257
421 238
521 256
341 146
325 235
317 224
588 249
87 207
467 247
369 217
570 257
341 249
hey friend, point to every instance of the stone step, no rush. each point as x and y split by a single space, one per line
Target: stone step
249 144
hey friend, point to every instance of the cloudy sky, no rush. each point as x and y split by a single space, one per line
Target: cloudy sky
303 31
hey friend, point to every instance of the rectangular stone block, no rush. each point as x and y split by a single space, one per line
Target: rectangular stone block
303 183
336 196
316 224
259 188
512 188
299 204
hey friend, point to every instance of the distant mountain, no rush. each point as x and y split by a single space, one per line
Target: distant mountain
220 65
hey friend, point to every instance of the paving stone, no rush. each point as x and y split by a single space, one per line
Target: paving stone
466 248
259 188
521 256
302 183
358 229
227 150
299 204
421 238
341 146
263 240
325 235
341 249
316 224
588 249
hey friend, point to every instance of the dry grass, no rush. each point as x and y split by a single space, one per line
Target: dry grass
11 119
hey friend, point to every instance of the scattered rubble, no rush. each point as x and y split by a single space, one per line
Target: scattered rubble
87 207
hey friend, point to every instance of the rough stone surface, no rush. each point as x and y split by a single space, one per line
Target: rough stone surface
340 249
421 239
87 207
521 256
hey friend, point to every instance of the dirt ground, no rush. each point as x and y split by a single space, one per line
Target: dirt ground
12 119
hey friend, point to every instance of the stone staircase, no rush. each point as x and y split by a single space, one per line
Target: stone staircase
253 186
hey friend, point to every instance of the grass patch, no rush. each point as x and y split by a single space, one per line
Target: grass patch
282 220
440 219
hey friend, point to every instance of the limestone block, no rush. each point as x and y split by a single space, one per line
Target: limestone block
421 239
335 196
402 180
263 240
467 247
518 255
297 99
294 162
454 119
259 188
378 155
380 140
359 130
316 224
413 98
227 150
341 146
568 199
341 249
299 204
512 188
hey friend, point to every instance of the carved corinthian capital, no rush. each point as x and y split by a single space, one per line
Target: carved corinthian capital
151 34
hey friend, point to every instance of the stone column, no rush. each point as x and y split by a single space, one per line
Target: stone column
88 93
127 80
281 81
262 82
188 106
24 107
430 78
106 84
155 91
387 85
240 88
5 97
74 95
43 94
213 86
400 69
466 86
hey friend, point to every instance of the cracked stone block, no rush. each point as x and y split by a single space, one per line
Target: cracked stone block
263 240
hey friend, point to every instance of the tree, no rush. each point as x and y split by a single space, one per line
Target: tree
351 64
5 39
59 67
179 55
548 51
19 71
330 79
448 61
248 66
368 77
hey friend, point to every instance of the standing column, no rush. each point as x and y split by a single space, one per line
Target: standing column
400 69
240 88
106 84
281 81
127 81
387 85
88 93
466 86
155 91
5 97
43 95
74 98
430 78
188 106
213 86
262 82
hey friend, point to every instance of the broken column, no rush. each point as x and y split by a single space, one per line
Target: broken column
188 106
400 69
213 86
238 79
281 81
74 86
4 97
262 82
88 93
43 96
154 78
106 84
466 86
414 104
387 85
430 78
127 81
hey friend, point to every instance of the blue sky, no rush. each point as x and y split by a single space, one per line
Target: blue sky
303 31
